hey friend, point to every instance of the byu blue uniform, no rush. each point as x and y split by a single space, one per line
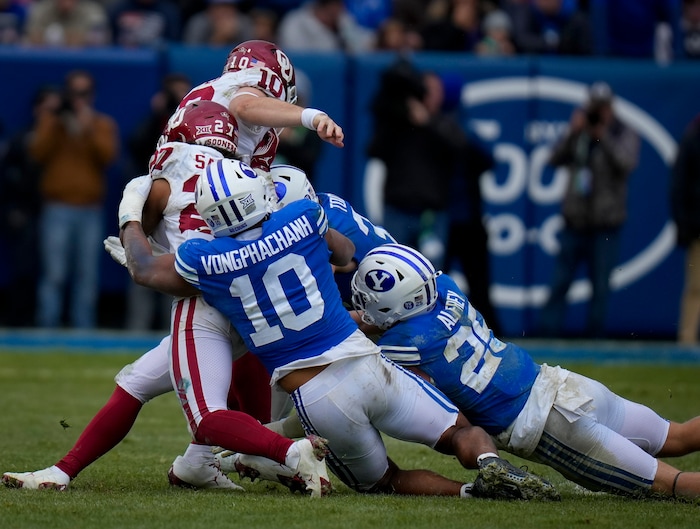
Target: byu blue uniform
495 378
542 413
364 235
288 309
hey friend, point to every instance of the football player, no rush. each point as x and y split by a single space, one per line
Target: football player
197 135
268 272
258 86
546 414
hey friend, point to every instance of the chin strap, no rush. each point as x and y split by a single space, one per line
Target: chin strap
675 482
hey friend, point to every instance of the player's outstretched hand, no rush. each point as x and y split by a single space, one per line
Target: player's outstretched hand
328 130
115 249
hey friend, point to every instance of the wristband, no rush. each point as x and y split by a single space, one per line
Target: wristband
308 115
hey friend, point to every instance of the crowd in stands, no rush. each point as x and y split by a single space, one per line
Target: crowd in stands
661 29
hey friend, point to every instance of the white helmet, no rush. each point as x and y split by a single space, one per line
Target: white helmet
230 197
291 184
392 283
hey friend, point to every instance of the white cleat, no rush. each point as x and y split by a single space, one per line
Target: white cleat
312 467
207 476
48 478
309 477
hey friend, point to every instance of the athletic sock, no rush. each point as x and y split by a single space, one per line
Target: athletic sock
241 433
105 431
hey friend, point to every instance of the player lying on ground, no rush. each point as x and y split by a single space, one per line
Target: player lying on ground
269 274
546 414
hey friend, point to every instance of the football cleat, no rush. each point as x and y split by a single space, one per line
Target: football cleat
311 467
258 467
48 478
207 476
499 479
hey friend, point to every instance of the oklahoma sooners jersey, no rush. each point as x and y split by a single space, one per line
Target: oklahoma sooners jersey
180 164
256 147
277 288
488 380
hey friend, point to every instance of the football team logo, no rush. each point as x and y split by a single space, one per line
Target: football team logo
248 171
247 203
280 191
380 280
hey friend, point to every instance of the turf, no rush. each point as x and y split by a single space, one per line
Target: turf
47 399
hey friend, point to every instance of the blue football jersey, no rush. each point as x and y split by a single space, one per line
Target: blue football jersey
277 290
364 235
488 380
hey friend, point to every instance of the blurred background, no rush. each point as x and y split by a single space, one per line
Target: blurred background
513 72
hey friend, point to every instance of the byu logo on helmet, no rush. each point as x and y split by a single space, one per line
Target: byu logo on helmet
281 191
379 280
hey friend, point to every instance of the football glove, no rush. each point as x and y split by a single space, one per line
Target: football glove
115 249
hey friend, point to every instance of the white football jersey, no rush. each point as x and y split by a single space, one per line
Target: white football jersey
255 146
180 164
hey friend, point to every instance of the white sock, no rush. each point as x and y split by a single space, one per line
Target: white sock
485 455
465 491
198 455
60 472
293 456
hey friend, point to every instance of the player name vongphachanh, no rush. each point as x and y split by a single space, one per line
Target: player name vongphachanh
258 250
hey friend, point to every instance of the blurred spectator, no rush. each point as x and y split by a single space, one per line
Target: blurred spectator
323 25
20 210
685 211
299 146
630 28
70 23
549 27
13 16
690 29
142 141
146 308
599 152
394 35
145 23
220 24
467 242
73 145
497 35
458 28
418 145
188 8
264 24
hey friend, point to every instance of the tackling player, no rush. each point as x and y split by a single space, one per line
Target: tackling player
269 274
546 414
258 87
203 132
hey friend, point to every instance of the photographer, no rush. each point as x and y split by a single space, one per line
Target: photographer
420 146
73 145
599 152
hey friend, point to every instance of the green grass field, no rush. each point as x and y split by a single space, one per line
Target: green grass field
128 487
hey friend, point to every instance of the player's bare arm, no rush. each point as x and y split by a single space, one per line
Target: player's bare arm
148 270
252 105
155 205
342 249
